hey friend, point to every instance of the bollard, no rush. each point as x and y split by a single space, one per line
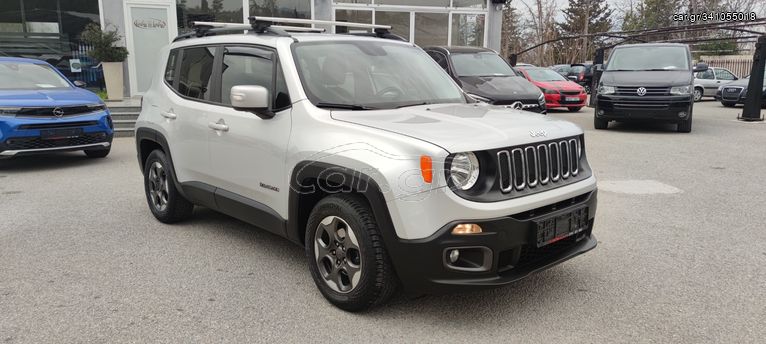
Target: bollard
752 110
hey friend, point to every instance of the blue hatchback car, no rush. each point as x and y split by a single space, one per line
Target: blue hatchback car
41 111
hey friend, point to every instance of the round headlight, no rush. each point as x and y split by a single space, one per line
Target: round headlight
464 170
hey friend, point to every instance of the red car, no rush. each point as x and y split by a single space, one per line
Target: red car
559 92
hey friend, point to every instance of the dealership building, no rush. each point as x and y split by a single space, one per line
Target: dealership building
49 29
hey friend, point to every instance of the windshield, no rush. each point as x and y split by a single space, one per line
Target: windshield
362 75
481 64
640 58
544 75
15 75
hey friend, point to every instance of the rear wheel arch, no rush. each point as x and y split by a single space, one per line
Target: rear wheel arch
149 140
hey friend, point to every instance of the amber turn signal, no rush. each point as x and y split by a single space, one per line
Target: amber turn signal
466 228
426 168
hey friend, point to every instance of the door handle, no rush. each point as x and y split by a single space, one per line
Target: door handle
169 114
219 126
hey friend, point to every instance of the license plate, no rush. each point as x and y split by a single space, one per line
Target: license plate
562 226
56 134
572 99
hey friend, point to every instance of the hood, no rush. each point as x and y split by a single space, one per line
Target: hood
647 78
500 87
47 98
562 85
463 127
740 82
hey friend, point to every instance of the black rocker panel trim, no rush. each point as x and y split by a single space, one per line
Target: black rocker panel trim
200 194
250 211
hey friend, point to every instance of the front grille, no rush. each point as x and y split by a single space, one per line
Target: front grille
570 93
532 166
58 125
25 143
63 111
650 91
731 93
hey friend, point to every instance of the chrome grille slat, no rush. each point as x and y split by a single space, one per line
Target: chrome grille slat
530 166
574 157
565 159
532 175
544 157
523 168
501 156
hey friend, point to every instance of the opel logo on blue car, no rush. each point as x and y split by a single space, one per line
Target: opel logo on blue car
58 112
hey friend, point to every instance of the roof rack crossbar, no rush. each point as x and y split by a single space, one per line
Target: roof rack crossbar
271 20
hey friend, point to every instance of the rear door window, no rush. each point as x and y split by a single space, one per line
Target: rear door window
196 71
722 74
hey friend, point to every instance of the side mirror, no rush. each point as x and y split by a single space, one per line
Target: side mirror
251 98
700 67
572 77
80 83
599 68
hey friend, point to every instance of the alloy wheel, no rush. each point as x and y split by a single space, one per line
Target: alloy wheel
697 95
158 186
337 254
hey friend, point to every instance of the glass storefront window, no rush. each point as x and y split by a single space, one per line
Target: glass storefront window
468 29
49 30
470 3
207 10
353 17
434 3
282 8
399 21
431 29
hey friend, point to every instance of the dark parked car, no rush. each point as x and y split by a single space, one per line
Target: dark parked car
582 74
651 81
735 92
562 69
486 77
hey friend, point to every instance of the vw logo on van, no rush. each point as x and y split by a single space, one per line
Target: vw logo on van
641 91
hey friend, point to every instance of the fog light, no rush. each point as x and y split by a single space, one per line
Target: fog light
682 114
600 112
466 228
454 255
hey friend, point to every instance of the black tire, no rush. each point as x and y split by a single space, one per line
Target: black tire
728 104
698 93
377 280
574 109
600 124
164 200
97 153
685 126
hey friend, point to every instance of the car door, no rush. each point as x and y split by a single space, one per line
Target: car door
723 77
248 152
184 109
708 82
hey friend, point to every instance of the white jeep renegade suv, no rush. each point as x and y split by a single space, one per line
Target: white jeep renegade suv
364 151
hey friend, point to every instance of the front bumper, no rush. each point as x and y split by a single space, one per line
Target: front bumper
24 136
556 101
508 243
660 108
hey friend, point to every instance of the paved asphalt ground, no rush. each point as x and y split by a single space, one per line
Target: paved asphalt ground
681 258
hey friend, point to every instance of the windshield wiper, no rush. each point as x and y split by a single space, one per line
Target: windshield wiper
412 104
623 70
344 106
660 69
